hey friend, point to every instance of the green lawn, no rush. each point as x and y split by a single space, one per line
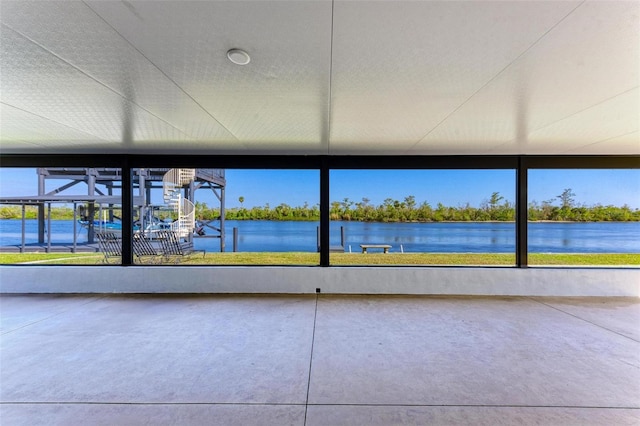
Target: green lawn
52 258
584 259
622 259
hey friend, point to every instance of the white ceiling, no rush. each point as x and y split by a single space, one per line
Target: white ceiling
325 77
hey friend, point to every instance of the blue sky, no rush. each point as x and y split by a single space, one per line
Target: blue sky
450 187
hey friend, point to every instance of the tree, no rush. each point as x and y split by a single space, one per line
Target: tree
346 205
441 213
566 198
364 210
334 211
494 200
425 212
410 202
389 210
241 199
534 211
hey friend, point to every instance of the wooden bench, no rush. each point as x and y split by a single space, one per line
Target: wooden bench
384 247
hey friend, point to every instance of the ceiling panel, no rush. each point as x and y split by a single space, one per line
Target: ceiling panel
589 126
46 86
21 127
400 68
278 101
74 33
619 145
338 77
577 85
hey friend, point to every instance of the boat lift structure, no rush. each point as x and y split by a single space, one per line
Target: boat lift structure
178 187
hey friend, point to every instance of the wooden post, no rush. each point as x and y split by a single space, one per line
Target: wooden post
235 239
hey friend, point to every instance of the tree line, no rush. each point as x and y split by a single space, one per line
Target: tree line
31 212
495 208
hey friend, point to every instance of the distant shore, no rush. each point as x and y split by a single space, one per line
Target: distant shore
391 211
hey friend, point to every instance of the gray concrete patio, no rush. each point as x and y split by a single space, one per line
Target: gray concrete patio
327 360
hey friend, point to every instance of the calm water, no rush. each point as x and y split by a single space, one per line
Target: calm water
603 237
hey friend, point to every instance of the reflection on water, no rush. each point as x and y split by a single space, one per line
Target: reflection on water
598 237
431 237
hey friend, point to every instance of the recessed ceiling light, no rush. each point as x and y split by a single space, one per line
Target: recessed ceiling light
238 56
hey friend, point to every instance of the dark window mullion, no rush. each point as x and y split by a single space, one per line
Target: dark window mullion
324 214
522 249
127 213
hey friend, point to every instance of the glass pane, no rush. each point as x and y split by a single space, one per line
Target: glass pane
584 217
230 217
56 215
422 217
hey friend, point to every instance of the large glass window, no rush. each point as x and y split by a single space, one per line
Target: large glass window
228 216
584 217
72 215
60 215
422 217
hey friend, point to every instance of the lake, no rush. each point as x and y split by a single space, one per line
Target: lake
471 237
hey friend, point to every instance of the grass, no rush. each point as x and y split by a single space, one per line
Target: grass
612 259
54 258
423 259
295 258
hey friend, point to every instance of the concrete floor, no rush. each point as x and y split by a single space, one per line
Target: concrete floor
331 360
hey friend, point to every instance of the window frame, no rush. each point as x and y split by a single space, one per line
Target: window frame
324 163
